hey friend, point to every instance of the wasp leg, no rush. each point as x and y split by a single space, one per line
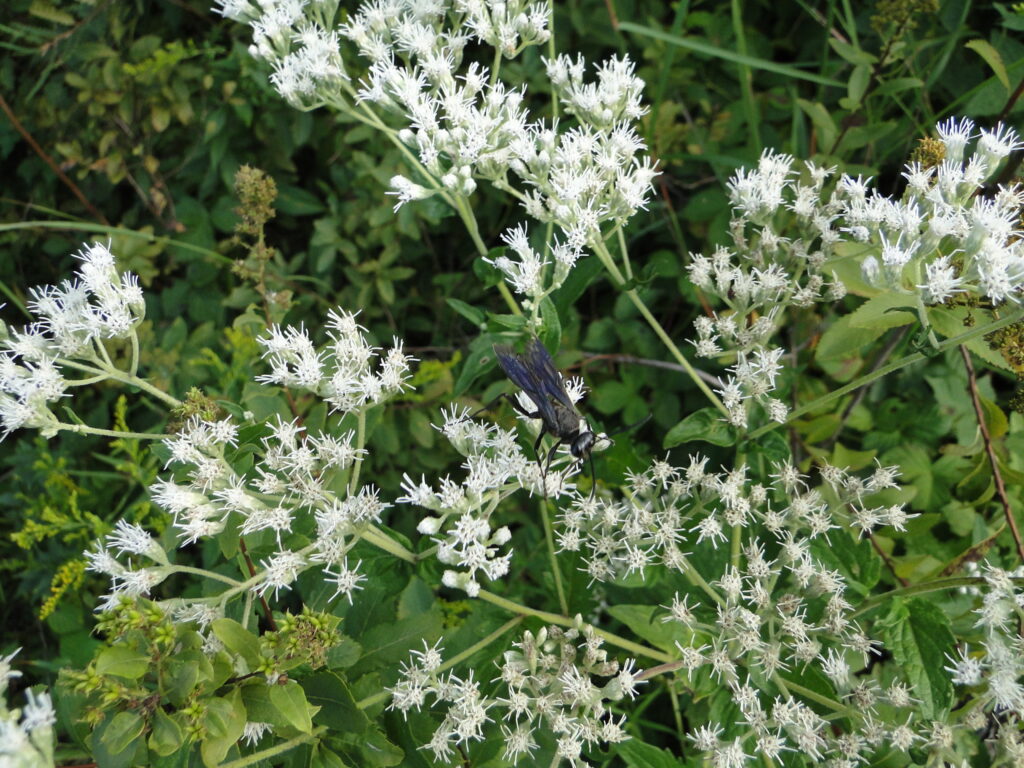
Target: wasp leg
512 401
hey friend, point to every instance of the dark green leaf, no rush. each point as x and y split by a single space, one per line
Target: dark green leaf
707 425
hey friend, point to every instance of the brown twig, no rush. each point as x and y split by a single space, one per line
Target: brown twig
50 162
996 474
252 572
888 561
612 15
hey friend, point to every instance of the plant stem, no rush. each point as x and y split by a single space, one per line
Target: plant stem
85 429
376 698
609 263
277 749
353 480
381 540
549 539
972 381
564 621
203 573
896 365
922 588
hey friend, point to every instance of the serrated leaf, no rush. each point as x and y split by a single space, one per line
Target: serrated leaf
918 634
992 57
290 700
706 425
122 661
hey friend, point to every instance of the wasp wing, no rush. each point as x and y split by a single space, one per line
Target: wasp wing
538 359
518 369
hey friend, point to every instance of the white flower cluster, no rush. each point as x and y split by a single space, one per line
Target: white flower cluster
943 237
462 122
993 672
764 273
342 372
288 496
297 38
778 608
548 682
664 508
460 514
26 734
73 320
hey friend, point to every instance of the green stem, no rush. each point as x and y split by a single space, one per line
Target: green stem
564 621
601 250
381 540
746 80
203 574
85 429
377 698
918 589
896 365
807 693
353 480
550 541
277 749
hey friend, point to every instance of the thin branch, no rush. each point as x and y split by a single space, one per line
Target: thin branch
268 614
888 561
996 474
50 162
630 359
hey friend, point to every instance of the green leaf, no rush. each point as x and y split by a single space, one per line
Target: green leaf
166 736
122 661
850 53
479 360
338 710
918 634
637 754
706 424
727 54
642 619
839 348
239 640
992 58
858 85
123 730
471 313
877 312
551 330
822 119
225 720
296 201
291 702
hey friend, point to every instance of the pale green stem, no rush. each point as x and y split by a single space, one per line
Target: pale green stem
920 589
382 541
202 573
624 251
134 367
125 378
377 698
85 429
609 263
550 541
564 621
807 693
353 481
885 370
277 749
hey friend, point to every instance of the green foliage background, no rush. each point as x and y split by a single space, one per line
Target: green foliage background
129 120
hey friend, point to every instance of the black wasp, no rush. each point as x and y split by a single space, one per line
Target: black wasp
534 372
